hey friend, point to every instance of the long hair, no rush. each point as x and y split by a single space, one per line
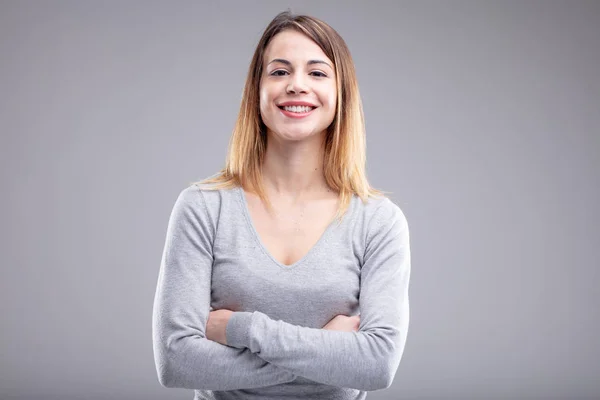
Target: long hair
345 145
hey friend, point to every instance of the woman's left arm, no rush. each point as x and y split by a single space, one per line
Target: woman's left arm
364 360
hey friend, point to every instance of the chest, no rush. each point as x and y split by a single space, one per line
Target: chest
289 234
301 270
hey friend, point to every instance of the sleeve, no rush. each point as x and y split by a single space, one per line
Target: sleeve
367 359
184 357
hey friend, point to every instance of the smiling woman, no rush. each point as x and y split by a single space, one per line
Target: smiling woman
286 275
298 83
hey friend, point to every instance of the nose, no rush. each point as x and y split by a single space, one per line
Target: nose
296 84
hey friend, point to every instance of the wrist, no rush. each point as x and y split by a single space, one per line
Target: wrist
237 330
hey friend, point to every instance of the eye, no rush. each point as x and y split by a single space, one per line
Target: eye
319 74
279 72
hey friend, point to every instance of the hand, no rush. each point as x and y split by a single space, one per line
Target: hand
343 323
216 325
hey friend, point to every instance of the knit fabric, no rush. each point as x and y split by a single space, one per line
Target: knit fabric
213 259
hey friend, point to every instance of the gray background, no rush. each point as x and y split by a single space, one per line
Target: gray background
482 120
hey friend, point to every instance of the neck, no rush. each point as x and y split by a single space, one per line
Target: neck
294 169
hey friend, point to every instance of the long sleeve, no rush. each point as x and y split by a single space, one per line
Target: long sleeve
364 360
184 357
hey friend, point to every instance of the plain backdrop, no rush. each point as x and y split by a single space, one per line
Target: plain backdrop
483 121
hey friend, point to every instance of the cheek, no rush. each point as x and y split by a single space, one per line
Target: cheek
332 102
264 101
266 96
331 97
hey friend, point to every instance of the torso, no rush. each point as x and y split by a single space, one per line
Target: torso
288 241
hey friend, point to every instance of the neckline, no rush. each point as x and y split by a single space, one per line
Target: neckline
261 245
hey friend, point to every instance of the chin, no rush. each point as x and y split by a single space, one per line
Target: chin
293 136
296 134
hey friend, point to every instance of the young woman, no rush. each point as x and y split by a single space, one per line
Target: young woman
305 267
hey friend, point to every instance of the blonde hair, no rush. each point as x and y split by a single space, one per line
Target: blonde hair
344 159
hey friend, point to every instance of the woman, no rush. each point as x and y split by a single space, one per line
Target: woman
284 242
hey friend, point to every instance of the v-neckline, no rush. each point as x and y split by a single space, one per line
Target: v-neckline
259 241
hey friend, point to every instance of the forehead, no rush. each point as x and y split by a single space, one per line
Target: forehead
293 46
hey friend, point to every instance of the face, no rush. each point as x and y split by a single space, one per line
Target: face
297 87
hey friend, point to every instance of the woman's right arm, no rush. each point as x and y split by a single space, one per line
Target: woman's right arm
184 357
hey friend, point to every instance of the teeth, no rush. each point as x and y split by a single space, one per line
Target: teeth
297 109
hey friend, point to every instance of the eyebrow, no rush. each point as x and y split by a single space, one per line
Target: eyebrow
310 62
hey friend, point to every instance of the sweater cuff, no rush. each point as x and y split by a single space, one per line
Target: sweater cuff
237 331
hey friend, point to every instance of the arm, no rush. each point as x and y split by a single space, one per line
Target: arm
364 360
184 357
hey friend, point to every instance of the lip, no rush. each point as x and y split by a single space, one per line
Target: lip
295 114
296 103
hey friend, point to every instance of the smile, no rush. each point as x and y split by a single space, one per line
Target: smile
296 111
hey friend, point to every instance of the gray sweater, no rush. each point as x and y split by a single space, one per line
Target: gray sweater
276 348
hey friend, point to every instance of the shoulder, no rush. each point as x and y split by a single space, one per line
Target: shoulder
379 209
198 208
383 216
189 194
189 206
206 203
208 195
